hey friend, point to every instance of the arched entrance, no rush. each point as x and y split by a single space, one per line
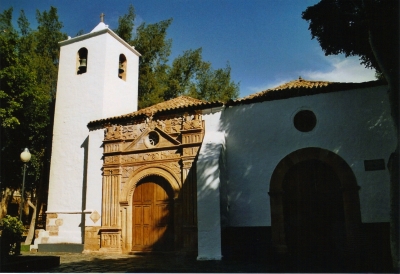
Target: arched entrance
313 213
315 208
152 215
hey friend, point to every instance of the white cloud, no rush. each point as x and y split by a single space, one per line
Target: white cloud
272 84
341 70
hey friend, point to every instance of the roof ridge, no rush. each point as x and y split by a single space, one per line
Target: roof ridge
301 87
178 103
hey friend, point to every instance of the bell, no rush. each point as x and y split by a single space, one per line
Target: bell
121 68
82 66
82 63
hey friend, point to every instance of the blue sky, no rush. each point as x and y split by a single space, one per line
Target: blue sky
265 41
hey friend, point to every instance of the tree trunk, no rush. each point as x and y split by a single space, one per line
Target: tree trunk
6 197
31 231
387 56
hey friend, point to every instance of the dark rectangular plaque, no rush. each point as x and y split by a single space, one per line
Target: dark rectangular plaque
376 164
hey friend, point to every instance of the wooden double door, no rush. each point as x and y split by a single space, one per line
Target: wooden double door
152 215
314 214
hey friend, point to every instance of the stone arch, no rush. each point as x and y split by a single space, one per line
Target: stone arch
122 67
150 170
127 196
81 61
349 188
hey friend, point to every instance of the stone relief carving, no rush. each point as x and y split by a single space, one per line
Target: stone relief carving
132 131
174 166
111 159
192 138
114 171
127 171
173 125
192 122
95 216
190 151
110 240
111 147
129 132
187 164
125 153
150 156
113 133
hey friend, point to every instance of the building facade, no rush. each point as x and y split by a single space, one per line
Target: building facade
297 169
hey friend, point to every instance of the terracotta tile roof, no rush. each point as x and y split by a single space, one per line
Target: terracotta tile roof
179 104
301 87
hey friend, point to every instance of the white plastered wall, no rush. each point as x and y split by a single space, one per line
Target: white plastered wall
75 173
208 192
354 124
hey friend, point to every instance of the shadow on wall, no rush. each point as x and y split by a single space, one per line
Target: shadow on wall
245 240
176 218
85 146
160 222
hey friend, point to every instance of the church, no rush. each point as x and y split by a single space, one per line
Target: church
297 169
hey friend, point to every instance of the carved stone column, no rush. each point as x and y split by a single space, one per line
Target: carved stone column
189 200
110 232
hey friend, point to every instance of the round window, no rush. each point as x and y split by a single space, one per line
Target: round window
152 139
305 120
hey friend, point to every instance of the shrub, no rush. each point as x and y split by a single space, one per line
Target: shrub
11 236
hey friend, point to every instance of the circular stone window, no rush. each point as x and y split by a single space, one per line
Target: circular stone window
152 139
305 120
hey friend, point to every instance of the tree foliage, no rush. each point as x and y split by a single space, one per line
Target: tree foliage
12 230
188 74
368 29
28 80
28 75
365 28
125 24
339 28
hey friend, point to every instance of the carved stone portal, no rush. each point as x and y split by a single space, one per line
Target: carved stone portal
164 146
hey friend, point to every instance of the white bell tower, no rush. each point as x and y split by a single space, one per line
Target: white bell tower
97 79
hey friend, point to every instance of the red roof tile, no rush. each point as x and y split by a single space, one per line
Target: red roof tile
301 87
180 104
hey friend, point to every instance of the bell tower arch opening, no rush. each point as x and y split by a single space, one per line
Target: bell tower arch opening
315 208
122 67
81 61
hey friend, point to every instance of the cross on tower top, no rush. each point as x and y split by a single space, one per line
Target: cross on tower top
102 17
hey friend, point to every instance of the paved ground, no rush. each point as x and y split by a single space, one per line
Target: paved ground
124 263
166 263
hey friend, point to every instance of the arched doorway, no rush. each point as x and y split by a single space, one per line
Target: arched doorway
152 215
313 213
314 205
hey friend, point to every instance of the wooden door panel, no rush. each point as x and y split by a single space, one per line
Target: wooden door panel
152 220
138 236
138 195
162 215
147 235
313 211
161 194
137 215
147 215
147 192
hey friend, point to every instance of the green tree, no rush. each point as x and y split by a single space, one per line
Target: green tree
155 48
368 29
28 74
188 74
126 24
185 70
